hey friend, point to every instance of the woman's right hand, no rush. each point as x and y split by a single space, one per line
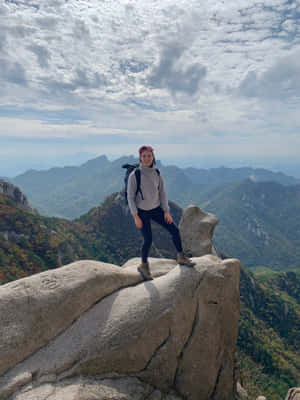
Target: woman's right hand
138 222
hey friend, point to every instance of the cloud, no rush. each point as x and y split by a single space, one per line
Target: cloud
280 81
51 129
81 31
26 4
3 9
42 53
21 31
12 72
82 79
47 22
133 66
2 40
169 71
78 79
170 74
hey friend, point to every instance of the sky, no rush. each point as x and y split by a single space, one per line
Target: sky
206 83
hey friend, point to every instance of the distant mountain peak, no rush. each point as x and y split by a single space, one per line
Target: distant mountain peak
99 161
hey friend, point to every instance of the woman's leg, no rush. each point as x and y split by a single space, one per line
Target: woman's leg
158 216
147 234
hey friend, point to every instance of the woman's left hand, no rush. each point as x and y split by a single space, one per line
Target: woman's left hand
168 217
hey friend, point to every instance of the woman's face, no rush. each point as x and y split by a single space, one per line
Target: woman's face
147 158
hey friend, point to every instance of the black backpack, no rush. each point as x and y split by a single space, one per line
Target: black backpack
134 167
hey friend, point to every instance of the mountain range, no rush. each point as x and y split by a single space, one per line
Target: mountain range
259 210
69 192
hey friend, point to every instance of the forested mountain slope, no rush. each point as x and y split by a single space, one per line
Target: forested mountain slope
269 332
259 222
31 243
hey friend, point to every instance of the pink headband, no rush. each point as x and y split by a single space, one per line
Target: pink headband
143 148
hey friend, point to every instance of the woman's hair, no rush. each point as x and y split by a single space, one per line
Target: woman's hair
147 148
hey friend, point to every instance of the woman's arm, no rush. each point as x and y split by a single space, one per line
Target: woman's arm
131 194
164 201
163 195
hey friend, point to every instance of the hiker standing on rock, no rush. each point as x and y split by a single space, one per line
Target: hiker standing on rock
147 199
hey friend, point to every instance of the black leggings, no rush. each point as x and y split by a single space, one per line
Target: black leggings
157 214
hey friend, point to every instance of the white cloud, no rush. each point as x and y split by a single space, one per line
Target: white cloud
38 129
169 75
166 70
280 82
12 72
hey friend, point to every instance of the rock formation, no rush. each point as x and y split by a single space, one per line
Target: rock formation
241 393
35 309
293 394
92 330
16 195
197 229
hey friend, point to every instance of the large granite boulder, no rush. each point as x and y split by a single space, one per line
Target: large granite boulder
33 310
197 229
241 393
293 394
92 330
96 388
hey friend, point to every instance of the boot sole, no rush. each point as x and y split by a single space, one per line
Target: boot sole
188 265
145 277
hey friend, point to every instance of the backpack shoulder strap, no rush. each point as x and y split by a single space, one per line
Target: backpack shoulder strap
137 173
158 174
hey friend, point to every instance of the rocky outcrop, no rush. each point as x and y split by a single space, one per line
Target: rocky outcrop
93 330
35 309
97 388
197 229
293 394
16 195
241 393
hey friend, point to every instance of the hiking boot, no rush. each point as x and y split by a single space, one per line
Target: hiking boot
182 260
143 268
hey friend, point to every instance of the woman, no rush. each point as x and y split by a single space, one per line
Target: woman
150 202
